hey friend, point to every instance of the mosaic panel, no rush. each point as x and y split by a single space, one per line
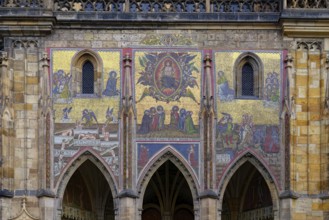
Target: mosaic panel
189 151
85 122
167 94
248 124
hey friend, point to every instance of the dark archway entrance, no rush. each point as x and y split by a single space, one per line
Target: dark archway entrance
168 196
247 196
88 195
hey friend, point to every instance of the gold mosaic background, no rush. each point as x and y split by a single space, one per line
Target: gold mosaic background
61 59
185 102
224 61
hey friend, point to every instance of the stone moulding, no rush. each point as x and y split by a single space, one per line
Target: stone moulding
297 27
24 213
20 21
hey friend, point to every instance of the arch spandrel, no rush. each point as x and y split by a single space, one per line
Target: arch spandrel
74 165
260 166
168 154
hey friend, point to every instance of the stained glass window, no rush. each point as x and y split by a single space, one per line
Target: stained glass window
88 78
247 80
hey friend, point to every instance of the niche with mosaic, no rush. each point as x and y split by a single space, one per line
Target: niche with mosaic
167 93
248 122
86 93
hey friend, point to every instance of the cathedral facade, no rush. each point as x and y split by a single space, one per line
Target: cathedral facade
164 109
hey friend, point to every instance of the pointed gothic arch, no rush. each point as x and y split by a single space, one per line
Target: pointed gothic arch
250 158
76 163
78 62
81 169
168 154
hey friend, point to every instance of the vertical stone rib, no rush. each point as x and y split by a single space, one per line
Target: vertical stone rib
314 116
324 123
287 119
207 120
126 104
45 92
3 81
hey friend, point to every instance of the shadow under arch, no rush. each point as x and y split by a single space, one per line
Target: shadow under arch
260 166
74 165
168 154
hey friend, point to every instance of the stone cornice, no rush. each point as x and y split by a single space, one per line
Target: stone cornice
41 22
163 20
305 23
22 22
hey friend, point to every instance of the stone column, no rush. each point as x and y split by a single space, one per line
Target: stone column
208 198
128 206
208 204
305 131
127 121
45 193
5 192
6 139
127 197
47 207
208 113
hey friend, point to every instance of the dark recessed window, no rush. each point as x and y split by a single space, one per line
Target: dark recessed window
1 43
248 71
247 80
88 78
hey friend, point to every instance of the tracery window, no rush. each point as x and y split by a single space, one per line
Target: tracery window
247 80
87 78
248 70
87 68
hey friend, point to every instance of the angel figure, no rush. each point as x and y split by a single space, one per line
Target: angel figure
89 117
